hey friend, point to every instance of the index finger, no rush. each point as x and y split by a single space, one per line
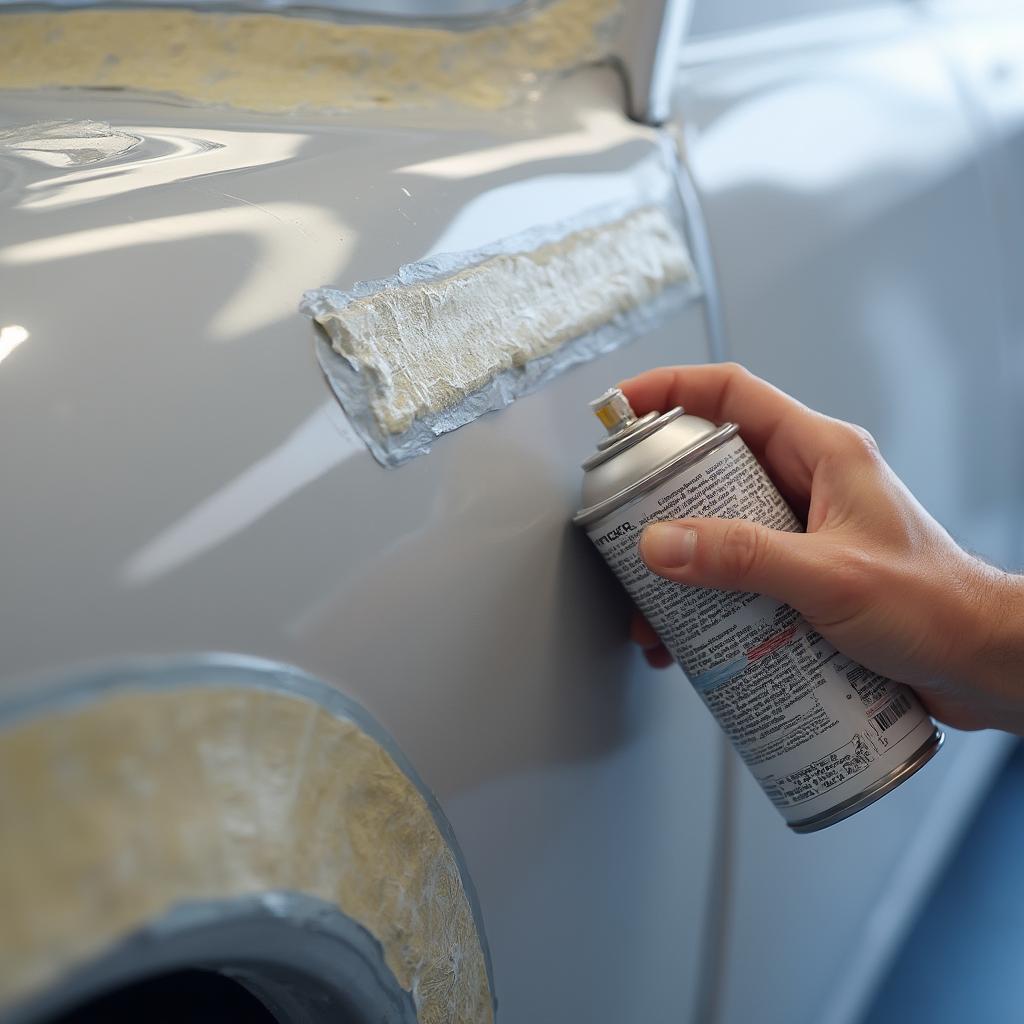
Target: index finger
788 437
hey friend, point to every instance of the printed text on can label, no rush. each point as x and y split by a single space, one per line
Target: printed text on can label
812 725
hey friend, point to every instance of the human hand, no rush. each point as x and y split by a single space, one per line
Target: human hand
875 574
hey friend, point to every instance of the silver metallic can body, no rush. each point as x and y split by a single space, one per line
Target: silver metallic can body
823 736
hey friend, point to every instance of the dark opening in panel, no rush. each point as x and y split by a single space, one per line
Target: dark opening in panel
180 997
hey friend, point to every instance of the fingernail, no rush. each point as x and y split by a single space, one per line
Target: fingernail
668 545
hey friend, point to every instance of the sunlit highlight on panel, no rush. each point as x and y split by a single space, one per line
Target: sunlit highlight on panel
11 337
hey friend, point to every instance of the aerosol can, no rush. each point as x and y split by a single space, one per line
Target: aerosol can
823 735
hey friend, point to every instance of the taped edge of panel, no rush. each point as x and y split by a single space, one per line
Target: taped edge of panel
452 337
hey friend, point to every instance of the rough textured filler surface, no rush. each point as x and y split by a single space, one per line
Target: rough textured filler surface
112 812
270 62
420 349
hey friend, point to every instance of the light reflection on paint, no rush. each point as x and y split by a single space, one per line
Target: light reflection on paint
756 141
319 444
164 157
551 199
11 337
599 131
68 143
276 227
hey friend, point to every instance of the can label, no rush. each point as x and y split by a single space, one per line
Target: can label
815 728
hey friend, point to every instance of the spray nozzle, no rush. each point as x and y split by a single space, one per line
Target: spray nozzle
614 411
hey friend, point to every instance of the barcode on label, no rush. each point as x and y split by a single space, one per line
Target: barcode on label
892 712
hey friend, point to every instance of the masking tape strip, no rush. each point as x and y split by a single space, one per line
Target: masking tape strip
452 337
214 779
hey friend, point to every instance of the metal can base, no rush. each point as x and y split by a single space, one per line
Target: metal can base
874 792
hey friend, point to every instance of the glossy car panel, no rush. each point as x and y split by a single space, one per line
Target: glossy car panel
858 268
187 483
178 476
982 44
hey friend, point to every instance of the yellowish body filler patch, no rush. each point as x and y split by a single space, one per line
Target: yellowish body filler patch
425 347
271 62
117 810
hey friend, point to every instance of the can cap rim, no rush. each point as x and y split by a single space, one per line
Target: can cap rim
645 427
586 516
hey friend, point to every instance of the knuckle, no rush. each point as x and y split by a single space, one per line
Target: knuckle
742 550
736 371
860 442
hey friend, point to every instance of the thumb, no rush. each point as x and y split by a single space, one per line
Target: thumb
734 554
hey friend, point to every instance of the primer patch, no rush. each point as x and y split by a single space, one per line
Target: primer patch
448 339
272 62
125 803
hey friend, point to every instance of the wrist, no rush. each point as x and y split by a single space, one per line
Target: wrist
992 658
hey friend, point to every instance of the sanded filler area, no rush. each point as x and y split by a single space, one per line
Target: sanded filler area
118 806
451 338
276 62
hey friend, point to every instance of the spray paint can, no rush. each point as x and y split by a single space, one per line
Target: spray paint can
822 735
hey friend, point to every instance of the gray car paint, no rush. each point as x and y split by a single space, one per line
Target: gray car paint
183 481
178 478
859 268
